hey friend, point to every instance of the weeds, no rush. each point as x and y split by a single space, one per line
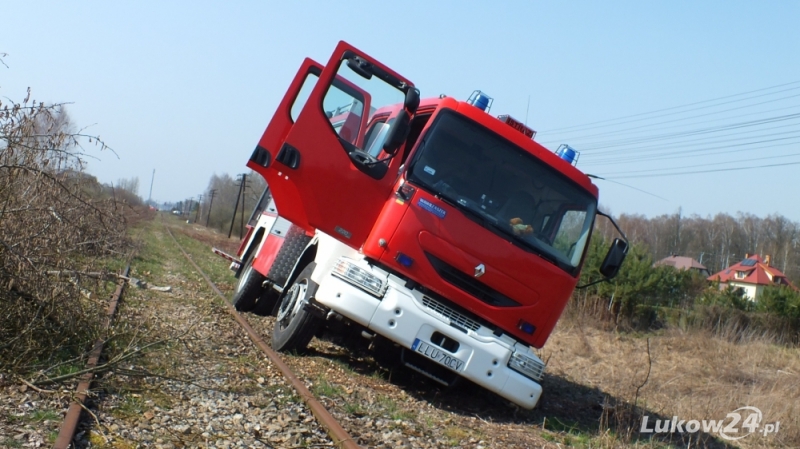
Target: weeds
53 216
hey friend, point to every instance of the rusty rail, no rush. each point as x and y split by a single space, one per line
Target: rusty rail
340 436
70 423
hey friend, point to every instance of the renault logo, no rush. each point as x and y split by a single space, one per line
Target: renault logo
480 270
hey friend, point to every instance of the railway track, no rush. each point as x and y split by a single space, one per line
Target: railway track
355 397
337 433
70 423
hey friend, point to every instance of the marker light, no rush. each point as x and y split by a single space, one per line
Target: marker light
526 327
480 100
404 260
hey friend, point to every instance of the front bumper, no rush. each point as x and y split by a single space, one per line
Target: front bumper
404 315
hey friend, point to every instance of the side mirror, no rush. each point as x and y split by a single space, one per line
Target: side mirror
402 125
614 258
412 100
398 133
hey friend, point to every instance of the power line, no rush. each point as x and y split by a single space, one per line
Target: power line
670 108
706 171
701 122
694 146
692 152
592 149
681 119
700 165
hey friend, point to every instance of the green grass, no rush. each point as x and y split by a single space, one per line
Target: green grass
391 409
155 249
131 406
45 415
10 442
354 408
324 388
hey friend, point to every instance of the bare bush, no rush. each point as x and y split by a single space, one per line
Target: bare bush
53 216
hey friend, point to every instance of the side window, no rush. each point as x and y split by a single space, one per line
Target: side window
344 106
569 231
302 96
376 136
350 104
260 207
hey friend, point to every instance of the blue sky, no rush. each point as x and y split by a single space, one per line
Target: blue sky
188 87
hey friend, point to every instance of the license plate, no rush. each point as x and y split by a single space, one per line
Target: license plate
438 355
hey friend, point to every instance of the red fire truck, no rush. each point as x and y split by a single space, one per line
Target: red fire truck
427 224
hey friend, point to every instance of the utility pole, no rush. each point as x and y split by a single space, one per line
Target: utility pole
244 189
199 205
210 203
236 206
150 196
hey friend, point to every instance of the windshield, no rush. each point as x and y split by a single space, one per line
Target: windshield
505 189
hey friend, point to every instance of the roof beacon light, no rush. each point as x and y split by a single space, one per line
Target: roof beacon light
480 100
568 153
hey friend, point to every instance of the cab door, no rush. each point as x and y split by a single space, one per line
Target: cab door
275 134
320 176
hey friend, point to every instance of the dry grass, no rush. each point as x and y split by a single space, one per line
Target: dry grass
53 217
693 376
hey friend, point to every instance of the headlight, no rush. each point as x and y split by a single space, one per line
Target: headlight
528 366
348 271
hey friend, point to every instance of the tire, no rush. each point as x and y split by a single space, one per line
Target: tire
292 248
295 326
266 305
249 287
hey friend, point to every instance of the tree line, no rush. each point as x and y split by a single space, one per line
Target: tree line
716 241
225 195
644 296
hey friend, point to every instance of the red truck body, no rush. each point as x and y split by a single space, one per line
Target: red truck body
462 243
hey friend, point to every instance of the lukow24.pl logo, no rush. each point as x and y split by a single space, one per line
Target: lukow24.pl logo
740 423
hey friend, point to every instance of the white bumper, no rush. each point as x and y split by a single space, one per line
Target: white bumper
401 316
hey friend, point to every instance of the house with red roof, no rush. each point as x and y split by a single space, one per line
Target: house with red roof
751 274
683 263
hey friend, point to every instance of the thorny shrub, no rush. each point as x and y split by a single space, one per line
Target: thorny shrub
53 217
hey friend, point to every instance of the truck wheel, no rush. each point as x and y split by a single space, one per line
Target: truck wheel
249 287
293 246
296 326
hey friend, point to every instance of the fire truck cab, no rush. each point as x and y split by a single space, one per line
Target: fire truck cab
430 224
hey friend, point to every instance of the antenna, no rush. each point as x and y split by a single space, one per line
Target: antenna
527 109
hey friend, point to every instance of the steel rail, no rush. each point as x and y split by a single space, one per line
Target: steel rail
70 423
340 436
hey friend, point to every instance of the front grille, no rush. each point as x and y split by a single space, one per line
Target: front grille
469 284
455 317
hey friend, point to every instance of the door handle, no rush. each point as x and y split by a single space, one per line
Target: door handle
260 156
289 156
